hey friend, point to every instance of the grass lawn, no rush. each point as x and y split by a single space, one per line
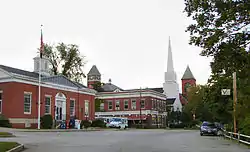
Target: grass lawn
5 146
6 134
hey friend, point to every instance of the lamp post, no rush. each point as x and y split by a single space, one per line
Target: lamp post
140 109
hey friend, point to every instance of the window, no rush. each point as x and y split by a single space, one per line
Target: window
47 104
110 105
86 108
125 104
1 101
27 103
133 107
153 104
72 107
102 107
117 105
143 103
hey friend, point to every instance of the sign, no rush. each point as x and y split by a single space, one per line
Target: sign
225 92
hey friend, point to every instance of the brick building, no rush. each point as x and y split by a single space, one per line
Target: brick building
60 97
118 102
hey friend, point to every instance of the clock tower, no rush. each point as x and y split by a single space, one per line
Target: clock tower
187 80
93 76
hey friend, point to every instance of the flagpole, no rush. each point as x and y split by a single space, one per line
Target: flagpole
39 83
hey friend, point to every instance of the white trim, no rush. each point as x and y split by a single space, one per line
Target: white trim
144 101
117 101
132 104
110 101
86 101
74 110
124 104
136 112
22 120
130 95
50 99
30 94
1 100
51 85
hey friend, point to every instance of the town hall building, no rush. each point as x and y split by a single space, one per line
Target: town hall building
60 97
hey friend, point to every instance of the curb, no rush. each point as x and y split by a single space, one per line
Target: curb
83 130
17 148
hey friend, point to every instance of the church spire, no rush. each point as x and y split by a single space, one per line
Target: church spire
170 66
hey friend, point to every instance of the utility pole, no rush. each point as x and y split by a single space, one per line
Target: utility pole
235 99
140 108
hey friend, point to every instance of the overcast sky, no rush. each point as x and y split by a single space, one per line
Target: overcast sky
126 39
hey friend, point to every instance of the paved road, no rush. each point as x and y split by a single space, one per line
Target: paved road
125 141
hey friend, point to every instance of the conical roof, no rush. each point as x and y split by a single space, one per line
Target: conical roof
94 71
188 74
170 66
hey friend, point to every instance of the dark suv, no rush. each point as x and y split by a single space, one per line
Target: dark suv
208 128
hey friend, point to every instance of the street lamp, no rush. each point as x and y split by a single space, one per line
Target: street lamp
140 109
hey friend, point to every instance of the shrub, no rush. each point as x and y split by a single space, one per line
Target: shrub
46 122
245 126
179 125
4 122
85 124
98 123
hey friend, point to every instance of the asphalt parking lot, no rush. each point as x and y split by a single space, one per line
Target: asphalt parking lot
125 141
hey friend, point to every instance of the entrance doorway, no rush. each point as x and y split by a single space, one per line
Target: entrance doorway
60 107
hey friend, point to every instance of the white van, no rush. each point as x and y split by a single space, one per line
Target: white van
118 122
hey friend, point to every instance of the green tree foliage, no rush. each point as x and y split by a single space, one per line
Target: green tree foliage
98 103
222 29
66 60
98 86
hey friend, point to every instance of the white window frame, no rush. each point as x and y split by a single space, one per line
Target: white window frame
47 96
109 101
117 108
86 114
143 101
72 113
1 100
125 104
133 107
27 93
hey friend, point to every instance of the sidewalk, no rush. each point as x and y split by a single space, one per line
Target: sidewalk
49 130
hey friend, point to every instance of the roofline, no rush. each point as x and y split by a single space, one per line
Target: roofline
188 79
49 85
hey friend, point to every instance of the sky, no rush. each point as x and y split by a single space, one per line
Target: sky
126 40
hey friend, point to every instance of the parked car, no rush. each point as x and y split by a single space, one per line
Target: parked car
208 128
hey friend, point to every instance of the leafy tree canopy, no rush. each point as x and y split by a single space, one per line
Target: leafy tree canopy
67 60
222 29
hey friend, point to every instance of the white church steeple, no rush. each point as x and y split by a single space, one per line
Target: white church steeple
170 58
171 87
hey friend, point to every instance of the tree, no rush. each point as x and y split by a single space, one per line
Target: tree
221 28
98 103
98 86
66 60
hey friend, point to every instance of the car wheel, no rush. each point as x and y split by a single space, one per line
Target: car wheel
201 134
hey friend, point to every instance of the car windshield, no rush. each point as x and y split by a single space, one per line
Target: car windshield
208 124
116 119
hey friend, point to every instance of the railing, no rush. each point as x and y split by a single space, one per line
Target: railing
241 138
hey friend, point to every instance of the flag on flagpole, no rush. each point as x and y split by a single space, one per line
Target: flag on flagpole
42 44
